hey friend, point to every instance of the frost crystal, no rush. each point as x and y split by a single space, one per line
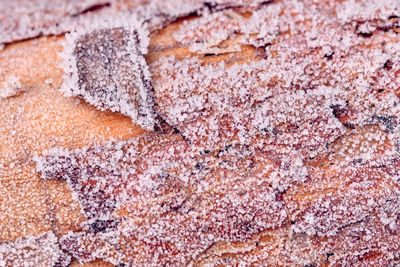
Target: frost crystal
41 250
10 88
105 66
23 19
277 139
169 193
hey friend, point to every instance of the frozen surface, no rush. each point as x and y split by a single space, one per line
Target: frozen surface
104 65
170 193
23 19
42 250
283 150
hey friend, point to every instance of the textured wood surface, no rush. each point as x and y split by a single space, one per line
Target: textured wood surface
344 210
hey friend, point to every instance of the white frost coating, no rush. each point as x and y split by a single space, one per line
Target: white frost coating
23 19
316 91
207 32
41 250
118 171
114 96
308 110
214 104
264 26
204 34
11 87
160 12
30 18
362 10
171 192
